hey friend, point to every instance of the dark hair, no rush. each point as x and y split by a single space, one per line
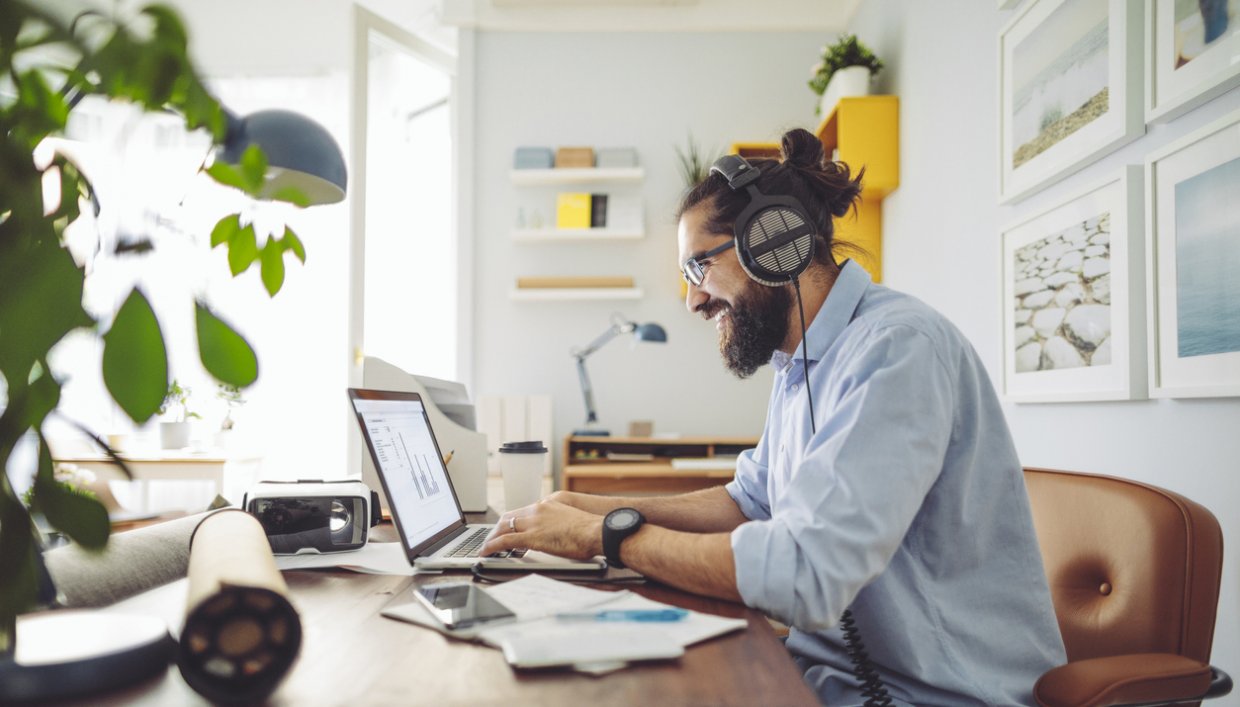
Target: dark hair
826 189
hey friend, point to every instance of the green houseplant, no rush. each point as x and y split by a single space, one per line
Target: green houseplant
846 52
46 65
174 433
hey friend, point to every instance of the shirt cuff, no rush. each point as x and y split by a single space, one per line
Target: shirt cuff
749 507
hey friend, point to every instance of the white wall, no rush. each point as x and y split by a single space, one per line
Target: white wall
646 91
941 243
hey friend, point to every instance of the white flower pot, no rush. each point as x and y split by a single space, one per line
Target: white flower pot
174 435
850 81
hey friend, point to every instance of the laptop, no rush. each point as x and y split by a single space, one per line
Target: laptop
428 517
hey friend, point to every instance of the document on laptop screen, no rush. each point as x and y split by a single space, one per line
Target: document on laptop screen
416 478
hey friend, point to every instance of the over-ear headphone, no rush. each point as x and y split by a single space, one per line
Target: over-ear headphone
774 234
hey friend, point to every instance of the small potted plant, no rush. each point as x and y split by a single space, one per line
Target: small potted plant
845 70
231 395
175 434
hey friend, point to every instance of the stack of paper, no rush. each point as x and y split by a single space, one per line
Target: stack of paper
539 639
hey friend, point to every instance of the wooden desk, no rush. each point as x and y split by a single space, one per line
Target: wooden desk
351 655
644 465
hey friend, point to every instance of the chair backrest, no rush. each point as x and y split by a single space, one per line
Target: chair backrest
1132 568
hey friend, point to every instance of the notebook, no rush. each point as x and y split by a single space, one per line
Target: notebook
428 517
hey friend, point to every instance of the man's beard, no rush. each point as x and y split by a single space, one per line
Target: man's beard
756 325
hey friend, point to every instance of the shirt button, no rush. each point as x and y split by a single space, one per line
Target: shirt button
795 387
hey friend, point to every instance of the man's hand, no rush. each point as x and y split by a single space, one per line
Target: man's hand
549 526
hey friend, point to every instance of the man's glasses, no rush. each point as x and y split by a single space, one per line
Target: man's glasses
694 269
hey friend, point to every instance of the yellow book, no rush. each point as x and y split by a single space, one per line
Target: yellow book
572 210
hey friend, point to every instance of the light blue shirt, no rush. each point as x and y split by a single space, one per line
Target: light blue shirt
907 505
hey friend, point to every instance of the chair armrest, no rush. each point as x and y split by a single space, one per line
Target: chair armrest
1123 679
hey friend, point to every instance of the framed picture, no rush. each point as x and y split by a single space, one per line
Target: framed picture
1070 89
1073 298
1193 251
1190 54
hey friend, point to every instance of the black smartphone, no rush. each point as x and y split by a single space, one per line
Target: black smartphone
461 604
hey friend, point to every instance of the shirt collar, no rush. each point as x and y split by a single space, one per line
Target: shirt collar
833 317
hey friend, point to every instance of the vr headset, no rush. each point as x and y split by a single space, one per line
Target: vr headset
313 516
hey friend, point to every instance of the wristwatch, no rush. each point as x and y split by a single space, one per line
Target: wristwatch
617 526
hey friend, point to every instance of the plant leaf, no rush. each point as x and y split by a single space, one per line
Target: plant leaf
81 517
226 174
225 229
19 582
135 361
40 301
242 250
225 354
253 169
273 266
292 195
293 243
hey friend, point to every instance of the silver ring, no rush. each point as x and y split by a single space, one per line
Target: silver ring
512 524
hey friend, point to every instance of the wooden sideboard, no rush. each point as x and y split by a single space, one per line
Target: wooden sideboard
650 465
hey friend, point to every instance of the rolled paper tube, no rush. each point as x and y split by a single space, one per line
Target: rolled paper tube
241 633
132 562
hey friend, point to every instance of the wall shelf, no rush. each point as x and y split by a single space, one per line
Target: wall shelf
581 175
566 294
576 235
866 132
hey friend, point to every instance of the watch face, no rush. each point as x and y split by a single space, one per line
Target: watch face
622 518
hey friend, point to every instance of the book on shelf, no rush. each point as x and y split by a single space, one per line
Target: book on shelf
598 210
574 281
574 157
572 210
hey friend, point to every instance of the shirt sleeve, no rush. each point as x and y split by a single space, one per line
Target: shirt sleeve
879 448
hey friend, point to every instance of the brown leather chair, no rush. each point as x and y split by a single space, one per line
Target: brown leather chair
1134 574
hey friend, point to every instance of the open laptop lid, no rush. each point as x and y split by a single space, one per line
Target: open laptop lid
410 467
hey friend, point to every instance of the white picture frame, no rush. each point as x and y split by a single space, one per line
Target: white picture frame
1182 69
1194 323
1070 89
1073 297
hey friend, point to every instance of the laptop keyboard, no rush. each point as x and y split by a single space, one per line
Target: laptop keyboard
473 542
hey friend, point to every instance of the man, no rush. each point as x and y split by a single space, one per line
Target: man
901 499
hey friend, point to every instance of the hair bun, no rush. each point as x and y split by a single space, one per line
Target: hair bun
801 148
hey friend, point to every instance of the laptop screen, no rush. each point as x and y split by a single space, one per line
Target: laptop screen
405 453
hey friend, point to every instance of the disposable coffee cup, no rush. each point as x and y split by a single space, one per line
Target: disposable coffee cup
521 464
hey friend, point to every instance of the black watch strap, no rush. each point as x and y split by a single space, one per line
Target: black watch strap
614 537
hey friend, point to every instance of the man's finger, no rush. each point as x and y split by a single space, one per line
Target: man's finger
505 541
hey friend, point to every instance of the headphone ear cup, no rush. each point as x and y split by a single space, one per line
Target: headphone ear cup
775 245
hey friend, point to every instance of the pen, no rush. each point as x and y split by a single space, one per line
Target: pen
626 615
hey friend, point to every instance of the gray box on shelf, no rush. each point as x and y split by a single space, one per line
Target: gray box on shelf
533 158
615 157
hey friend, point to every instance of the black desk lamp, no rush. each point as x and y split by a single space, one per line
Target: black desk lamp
619 325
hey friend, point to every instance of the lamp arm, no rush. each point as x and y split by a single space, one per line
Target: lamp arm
620 327
586 391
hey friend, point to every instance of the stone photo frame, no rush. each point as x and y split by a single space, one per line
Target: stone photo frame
1193 263
1190 55
1073 297
1070 89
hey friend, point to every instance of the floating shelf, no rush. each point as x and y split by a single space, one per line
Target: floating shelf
574 293
579 175
576 235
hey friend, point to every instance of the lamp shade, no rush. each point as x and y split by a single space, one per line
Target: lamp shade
650 332
300 153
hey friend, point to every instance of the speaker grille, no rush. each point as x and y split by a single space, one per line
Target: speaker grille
780 241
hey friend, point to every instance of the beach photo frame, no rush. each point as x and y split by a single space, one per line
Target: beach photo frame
1191 51
1193 263
1073 297
1070 89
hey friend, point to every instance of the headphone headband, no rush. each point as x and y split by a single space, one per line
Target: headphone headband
736 170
